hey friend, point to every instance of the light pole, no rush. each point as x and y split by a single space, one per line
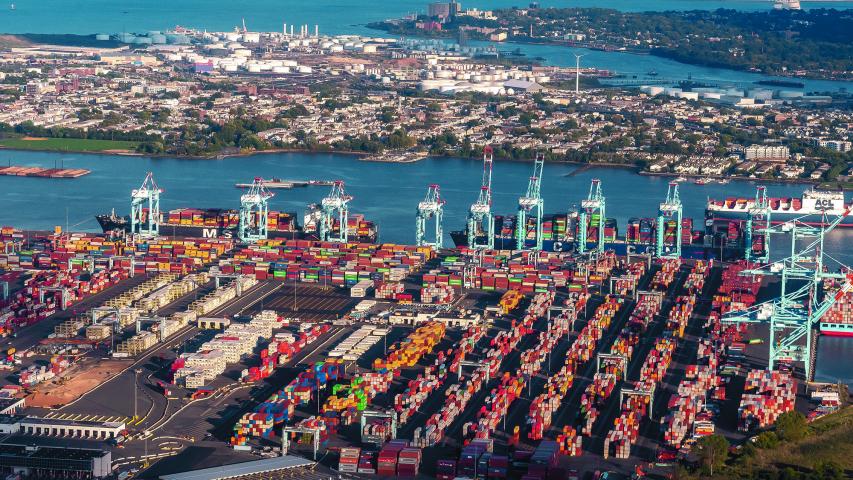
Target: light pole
578 72
295 282
136 373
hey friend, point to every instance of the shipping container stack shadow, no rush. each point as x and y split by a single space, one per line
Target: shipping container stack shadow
568 412
651 440
595 444
451 444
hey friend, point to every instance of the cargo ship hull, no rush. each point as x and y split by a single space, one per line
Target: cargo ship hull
111 223
836 329
814 208
813 220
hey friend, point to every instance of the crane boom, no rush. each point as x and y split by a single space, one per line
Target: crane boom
480 218
527 203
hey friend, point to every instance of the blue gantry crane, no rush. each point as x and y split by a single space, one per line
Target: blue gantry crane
803 300
531 203
480 217
335 206
670 209
146 196
758 222
254 212
431 208
594 204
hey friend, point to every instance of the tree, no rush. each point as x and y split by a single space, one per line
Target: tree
766 440
829 471
713 451
791 426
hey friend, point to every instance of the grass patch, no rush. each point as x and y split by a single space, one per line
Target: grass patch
831 440
66 144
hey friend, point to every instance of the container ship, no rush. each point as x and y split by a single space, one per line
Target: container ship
559 232
811 208
223 223
838 321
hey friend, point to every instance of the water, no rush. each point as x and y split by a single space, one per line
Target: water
831 365
631 65
385 193
333 16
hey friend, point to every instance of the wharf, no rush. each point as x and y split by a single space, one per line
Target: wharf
20 171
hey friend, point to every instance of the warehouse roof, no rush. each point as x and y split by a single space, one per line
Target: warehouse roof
241 469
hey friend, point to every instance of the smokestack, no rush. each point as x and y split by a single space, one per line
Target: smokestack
316 30
291 30
284 28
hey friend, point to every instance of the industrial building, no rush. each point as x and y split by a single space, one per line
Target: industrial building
12 424
11 406
55 462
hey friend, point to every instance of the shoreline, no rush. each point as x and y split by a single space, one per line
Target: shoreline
657 53
583 167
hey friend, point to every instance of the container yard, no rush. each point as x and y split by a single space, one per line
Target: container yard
400 360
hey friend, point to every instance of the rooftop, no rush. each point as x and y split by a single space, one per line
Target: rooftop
241 469
58 453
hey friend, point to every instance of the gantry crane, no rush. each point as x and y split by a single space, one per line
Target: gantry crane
480 218
594 204
254 212
148 194
335 206
802 301
432 207
670 209
758 221
531 200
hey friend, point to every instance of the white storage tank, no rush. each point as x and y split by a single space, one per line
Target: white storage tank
761 94
688 95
